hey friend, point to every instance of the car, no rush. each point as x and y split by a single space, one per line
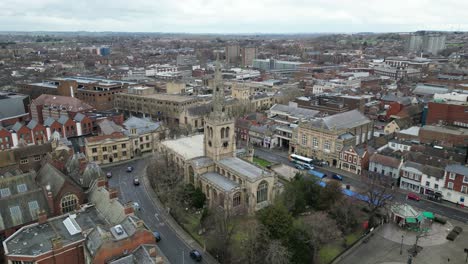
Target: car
129 169
337 177
157 236
196 255
136 206
109 174
413 196
309 167
136 181
299 167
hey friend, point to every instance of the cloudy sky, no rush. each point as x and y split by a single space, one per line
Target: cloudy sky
233 16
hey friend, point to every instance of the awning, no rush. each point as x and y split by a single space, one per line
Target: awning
420 218
428 215
410 220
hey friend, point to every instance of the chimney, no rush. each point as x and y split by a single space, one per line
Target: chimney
42 217
101 182
113 194
56 243
50 198
128 209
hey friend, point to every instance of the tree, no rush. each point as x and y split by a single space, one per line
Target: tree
277 220
277 253
345 214
221 237
255 246
378 190
330 194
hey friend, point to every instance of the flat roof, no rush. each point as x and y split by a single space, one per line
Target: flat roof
188 147
243 168
35 239
164 97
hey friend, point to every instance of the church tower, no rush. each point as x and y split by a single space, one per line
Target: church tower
219 138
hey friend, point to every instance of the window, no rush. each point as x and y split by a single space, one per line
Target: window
104 148
141 139
262 192
450 185
114 147
16 262
37 158
69 203
124 153
464 189
236 200
452 176
428 184
147 137
465 179
104 157
436 186
33 209
147 145
95 158
315 142
124 146
16 215
326 145
304 140
345 156
21 188
94 150
5 192
24 161
115 155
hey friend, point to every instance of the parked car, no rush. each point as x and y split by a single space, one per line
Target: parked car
136 181
136 206
308 166
337 177
109 174
299 167
157 236
413 196
129 169
196 255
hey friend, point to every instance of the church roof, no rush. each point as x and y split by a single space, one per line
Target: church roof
243 168
188 147
220 181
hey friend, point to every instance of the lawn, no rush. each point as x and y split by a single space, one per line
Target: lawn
329 252
191 224
353 237
261 162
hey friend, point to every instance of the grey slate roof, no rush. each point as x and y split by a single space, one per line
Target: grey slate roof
414 165
202 162
243 168
294 111
79 117
143 126
108 127
12 106
423 89
49 121
220 181
458 169
393 98
32 124
63 119
17 126
49 175
348 119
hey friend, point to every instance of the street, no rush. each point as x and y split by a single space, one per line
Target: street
399 196
173 247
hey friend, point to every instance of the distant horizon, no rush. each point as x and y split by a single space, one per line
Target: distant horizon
233 17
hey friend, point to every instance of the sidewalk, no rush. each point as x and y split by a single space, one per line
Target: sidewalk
399 190
181 233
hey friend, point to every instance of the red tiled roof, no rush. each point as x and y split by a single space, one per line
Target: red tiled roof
72 104
385 160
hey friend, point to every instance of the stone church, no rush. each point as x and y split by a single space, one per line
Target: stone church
209 161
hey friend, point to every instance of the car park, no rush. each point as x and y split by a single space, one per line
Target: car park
136 181
196 255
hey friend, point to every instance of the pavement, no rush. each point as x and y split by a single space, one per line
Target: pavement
386 247
175 243
443 208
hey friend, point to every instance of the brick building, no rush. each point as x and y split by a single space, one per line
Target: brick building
55 106
449 113
456 183
444 135
13 108
354 159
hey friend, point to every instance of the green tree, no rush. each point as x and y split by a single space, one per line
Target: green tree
198 198
277 220
330 194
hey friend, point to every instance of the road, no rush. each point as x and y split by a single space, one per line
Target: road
173 247
400 195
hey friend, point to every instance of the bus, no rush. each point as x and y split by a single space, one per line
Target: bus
300 159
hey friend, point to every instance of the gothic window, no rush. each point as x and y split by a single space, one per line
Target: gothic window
227 132
69 203
222 132
236 200
262 192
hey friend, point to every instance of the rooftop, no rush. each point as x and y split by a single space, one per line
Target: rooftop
446 129
70 103
220 181
188 147
141 125
166 97
243 168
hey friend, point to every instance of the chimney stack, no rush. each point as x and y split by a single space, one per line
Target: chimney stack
113 194
42 217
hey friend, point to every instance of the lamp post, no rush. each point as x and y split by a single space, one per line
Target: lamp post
401 245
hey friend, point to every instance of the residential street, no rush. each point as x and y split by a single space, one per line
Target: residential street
444 209
172 245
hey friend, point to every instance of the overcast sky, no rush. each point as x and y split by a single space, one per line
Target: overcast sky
234 16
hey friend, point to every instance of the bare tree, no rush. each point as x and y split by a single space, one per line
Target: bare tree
321 229
221 237
164 177
277 253
378 191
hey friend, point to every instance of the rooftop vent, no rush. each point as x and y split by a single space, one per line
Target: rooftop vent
72 226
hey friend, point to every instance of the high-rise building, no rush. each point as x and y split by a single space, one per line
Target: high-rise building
431 43
248 54
232 53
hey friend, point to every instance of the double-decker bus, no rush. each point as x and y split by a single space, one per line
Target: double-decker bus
300 159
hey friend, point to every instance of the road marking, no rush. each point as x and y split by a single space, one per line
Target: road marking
156 215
